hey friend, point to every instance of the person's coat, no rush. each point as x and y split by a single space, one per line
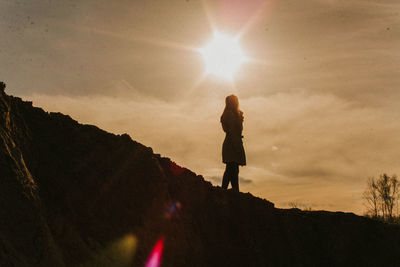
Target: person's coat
232 148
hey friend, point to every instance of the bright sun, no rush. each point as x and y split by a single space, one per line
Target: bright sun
222 56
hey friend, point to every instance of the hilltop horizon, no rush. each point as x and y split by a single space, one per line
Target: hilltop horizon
76 195
317 82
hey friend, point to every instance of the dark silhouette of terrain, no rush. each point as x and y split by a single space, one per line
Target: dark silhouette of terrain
68 191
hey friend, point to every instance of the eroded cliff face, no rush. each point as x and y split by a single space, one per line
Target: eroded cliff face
75 195
25 237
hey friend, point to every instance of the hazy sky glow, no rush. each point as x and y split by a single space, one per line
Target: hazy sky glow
320 95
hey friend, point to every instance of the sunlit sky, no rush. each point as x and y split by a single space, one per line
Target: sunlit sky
320 98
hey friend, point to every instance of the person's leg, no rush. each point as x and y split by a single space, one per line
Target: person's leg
235 177
226 178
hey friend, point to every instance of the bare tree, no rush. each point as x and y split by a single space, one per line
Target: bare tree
381 196
371 198
293 205
388 187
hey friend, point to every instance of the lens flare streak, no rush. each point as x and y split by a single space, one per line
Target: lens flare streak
155 256
173 209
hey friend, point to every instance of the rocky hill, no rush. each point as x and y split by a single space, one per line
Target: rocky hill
75 195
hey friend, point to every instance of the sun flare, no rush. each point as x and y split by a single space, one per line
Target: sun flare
222 56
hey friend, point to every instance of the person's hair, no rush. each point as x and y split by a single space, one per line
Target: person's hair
232 107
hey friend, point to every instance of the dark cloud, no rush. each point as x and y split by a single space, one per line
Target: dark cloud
217 180
243 180
308 172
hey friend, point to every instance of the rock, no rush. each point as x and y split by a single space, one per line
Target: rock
2 87
75 195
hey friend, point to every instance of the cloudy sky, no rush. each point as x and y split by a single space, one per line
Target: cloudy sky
321 98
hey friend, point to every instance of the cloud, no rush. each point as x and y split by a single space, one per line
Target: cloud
325 143
243 180
321 111
214 179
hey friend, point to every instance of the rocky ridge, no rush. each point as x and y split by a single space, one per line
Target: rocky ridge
70 192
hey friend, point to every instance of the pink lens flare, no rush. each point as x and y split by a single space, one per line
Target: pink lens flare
155 256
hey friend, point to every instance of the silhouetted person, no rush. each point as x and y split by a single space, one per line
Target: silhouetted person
233 153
